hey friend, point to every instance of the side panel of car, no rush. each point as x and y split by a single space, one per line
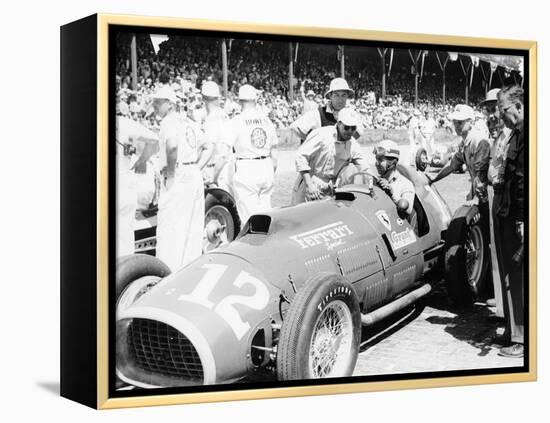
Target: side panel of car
397 248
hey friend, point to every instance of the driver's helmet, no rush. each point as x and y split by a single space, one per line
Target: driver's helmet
387 148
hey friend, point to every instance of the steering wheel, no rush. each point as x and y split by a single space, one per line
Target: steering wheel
363 173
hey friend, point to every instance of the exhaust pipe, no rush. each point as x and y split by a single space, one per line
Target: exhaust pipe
402 302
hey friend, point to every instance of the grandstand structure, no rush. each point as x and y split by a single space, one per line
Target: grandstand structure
281 67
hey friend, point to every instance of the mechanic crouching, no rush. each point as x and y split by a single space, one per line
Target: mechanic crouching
399 188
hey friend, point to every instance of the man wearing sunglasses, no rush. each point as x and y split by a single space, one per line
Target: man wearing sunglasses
390 180
324 155
495 125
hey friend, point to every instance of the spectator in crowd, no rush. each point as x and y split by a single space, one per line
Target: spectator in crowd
309 103
427 130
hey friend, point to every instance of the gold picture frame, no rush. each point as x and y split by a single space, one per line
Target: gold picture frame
98 28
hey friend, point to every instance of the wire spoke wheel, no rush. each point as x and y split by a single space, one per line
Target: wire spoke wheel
466 258
321 331
218 215
331 341
474 255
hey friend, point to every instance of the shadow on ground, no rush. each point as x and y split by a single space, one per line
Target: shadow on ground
476 325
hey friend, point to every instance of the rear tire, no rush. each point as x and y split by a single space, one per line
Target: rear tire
321 331
219 205
421 159
466 259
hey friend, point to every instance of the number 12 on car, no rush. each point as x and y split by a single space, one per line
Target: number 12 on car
225 308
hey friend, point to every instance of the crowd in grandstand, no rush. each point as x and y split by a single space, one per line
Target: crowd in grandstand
185 63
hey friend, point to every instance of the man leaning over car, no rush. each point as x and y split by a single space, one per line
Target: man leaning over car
324 154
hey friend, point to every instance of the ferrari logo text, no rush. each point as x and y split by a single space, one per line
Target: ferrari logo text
323 235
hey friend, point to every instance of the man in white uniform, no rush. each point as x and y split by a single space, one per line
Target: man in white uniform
324 155
219 169
414 135
181 202
134 146
427 130
253 136
309 99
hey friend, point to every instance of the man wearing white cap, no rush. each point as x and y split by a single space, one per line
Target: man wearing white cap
323 156
396 185
183 153
216 130
473 151
135 144
253 137
309 99
427 130
415 136
337 96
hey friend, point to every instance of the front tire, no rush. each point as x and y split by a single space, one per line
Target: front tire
135 266
321 331
141 268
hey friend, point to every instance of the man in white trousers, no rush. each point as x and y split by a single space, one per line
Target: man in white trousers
253 138
220 167
183 153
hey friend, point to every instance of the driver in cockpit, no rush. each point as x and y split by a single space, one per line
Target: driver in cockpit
390 180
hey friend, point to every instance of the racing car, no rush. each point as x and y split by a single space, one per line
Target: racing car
291 294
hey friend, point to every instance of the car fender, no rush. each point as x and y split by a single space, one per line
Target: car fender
217 302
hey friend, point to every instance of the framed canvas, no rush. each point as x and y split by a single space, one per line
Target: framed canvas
253 211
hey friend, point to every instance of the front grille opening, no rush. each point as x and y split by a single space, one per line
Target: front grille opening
158 349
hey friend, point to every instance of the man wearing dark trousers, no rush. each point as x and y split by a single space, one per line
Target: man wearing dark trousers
509 216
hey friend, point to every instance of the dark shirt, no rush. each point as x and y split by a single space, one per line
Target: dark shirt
327 118
512 201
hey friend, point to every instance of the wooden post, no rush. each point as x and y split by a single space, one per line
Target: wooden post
444 71
414 60
133 58
382 53
290 73
443 67
465 71
224 68
342 62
